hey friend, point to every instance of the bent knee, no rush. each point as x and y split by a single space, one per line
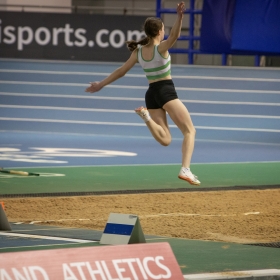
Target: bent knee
165 142
189 130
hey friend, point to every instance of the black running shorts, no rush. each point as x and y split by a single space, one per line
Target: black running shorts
160 93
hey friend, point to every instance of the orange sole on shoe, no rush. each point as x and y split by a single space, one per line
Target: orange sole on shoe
188 180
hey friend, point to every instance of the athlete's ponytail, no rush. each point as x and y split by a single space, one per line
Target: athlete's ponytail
152 26
132 45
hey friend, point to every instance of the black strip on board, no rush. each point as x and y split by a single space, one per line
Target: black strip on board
196 189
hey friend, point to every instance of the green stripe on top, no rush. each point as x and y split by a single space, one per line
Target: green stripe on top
157 68
165 74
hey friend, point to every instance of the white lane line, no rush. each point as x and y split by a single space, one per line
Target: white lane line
226 78
234 142
39 246
11 234
95 63
142 137
198 215
138 87
66 109
234 116
138 99
227 90
71 96
237 129
44 83
138 75
231 102
149 216
71 121
130 111
135 124
60 220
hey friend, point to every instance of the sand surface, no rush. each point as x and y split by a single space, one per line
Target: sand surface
231 216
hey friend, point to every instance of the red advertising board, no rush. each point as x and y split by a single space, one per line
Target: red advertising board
124 262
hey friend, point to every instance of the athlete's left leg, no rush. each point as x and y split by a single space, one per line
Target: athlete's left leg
181 117
157 124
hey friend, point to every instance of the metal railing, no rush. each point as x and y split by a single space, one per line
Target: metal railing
191 38
191 51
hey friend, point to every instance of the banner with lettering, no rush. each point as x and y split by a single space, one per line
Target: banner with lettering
68 36
137 261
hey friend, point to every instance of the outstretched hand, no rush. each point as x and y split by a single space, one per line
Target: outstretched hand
94 87
181 8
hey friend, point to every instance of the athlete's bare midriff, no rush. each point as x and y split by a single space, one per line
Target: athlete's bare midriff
157 80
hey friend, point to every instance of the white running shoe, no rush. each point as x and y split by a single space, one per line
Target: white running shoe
186 174
143 113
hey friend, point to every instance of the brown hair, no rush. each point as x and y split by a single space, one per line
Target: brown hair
151 27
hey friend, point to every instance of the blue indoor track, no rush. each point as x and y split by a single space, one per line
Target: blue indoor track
47 119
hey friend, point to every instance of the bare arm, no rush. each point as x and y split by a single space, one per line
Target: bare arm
175 31
118 73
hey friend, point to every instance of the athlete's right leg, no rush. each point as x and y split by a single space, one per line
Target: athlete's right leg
157 124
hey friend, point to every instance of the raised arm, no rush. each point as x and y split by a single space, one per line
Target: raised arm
175 31
118 73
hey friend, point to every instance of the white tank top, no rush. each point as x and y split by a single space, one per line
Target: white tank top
156 68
